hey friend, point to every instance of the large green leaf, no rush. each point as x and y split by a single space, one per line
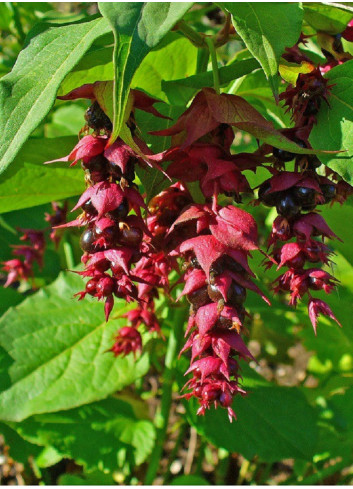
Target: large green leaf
28 92
58 347
326 18
180 91
138 27
267 29
111 426
272 422
334 127
153 72
28 182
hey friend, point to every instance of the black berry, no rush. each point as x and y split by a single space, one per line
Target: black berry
328 191
120 212
268 199
304 195
86 241
287 206
97 119
283 155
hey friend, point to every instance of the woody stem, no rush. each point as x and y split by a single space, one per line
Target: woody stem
210 43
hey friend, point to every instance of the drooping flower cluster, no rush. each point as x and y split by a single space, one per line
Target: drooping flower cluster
298 196
22 269
128 257
57 218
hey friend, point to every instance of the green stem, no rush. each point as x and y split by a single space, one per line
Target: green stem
69 256
17 22
203 55
210 43
174 452
190 33
162 418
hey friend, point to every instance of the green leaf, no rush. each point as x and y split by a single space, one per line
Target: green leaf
116 435
334 128
326 18
20 449
96 65
290 71
181 91
153 179
8 298
267 30
138 28
189 480
28 92
95 478
58 347
28 182
272 422
153 72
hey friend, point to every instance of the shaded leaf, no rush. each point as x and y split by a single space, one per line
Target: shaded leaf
112 428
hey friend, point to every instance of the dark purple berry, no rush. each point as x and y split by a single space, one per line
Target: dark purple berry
313 162
120 212
312 107
96 164
214 293
89 208
97 119
283 155
266 197
304 195
236 294
86 241
287 206
131 237
199 297
328 191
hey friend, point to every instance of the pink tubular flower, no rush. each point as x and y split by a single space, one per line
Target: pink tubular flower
317 307
127 340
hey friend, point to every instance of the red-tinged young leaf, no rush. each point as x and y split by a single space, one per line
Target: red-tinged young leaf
234 341
317 307
248 284
223 282
288 252
120 257
194 279
207 250
306 224
285 180
235 228
88 147
207 366
105 197
206 318
108 306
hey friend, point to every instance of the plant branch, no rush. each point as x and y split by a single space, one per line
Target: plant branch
210 43
190 33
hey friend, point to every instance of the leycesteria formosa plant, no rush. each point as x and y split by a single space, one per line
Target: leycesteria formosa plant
177 175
